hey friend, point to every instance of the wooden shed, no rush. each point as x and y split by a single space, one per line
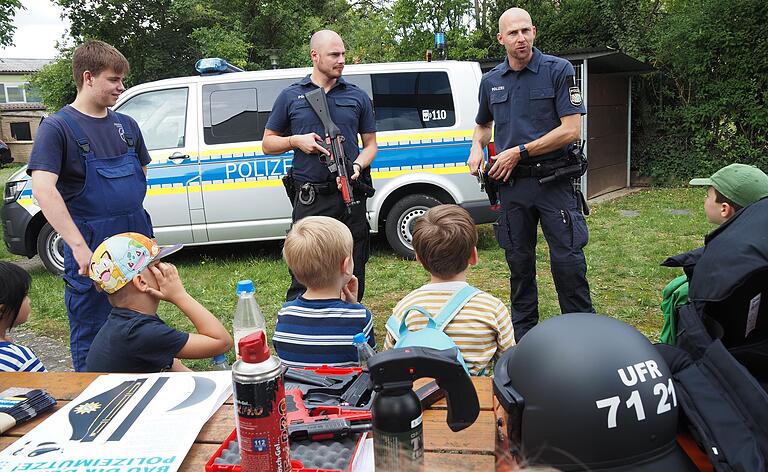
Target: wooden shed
605 78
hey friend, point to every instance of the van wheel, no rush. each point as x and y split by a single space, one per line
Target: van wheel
50 248
399 225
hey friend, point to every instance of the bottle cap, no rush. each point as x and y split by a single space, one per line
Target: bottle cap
253 348
359 338
220 359
245 286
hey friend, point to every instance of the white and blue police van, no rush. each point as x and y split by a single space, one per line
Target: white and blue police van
209 181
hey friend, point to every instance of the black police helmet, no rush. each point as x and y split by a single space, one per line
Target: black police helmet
589 392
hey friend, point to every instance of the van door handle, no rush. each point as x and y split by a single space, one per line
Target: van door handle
177 156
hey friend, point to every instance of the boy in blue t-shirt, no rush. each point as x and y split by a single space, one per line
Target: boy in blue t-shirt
317 328
134 338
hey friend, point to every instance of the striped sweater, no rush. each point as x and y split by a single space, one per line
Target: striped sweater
482 330
312 333
17 358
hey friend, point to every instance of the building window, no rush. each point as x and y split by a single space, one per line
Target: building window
14 93
20 131
32 94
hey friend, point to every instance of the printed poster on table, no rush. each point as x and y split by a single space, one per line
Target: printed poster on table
123 423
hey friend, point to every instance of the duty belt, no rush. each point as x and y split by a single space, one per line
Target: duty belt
308 191
542 168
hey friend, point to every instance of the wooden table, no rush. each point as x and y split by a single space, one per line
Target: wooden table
467 450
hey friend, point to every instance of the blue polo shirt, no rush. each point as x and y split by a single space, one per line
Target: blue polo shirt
350 107
525 105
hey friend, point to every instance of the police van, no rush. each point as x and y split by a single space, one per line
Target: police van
209 181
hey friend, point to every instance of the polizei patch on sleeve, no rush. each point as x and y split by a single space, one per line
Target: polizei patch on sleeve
575 95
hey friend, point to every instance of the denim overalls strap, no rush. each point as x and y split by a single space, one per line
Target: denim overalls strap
111 200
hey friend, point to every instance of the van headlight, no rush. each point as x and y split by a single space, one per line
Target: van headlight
13 190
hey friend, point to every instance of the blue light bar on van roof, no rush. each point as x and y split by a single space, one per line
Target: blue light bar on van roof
215 65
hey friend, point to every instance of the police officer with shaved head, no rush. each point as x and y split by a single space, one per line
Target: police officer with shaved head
294 126
535 106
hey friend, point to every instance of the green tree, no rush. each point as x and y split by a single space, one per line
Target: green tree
8 9
708 106
55 82
153 36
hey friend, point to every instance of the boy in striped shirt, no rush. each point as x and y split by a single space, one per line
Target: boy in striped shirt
445 240
317 328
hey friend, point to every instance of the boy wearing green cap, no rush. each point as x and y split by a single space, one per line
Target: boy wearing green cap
731 188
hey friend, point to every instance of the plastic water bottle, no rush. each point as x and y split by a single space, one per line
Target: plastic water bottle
220 362
248 318
364 350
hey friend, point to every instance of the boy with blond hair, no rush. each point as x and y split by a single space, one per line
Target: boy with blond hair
445 241
317 327
134 339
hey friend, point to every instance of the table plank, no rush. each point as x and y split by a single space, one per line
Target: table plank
60 385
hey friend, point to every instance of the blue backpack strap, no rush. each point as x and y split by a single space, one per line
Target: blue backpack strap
454 305
82 141
397 327
126 130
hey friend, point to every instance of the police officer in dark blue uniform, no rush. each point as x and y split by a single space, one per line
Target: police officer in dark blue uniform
294 126
535 105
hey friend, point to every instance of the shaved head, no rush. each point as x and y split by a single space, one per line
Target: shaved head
514 15
323 39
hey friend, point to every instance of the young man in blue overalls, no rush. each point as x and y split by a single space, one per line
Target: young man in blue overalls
88 168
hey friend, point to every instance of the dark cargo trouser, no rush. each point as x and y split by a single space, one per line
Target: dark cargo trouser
332 205
524 203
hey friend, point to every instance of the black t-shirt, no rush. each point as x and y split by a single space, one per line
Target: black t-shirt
134 342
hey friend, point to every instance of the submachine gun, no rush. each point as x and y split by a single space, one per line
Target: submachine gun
334 143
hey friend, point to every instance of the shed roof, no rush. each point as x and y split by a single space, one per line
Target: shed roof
601 60
606 60
21 106
21 66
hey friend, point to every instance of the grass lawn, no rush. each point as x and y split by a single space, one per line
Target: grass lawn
629 237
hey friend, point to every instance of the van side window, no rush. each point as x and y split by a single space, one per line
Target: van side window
412 100
161 115
238 111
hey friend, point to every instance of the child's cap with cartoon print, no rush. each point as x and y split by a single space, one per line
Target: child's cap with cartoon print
119 258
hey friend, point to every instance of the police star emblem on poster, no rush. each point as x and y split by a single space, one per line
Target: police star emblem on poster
123 423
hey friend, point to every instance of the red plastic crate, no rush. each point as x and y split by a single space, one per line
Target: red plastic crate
296 466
